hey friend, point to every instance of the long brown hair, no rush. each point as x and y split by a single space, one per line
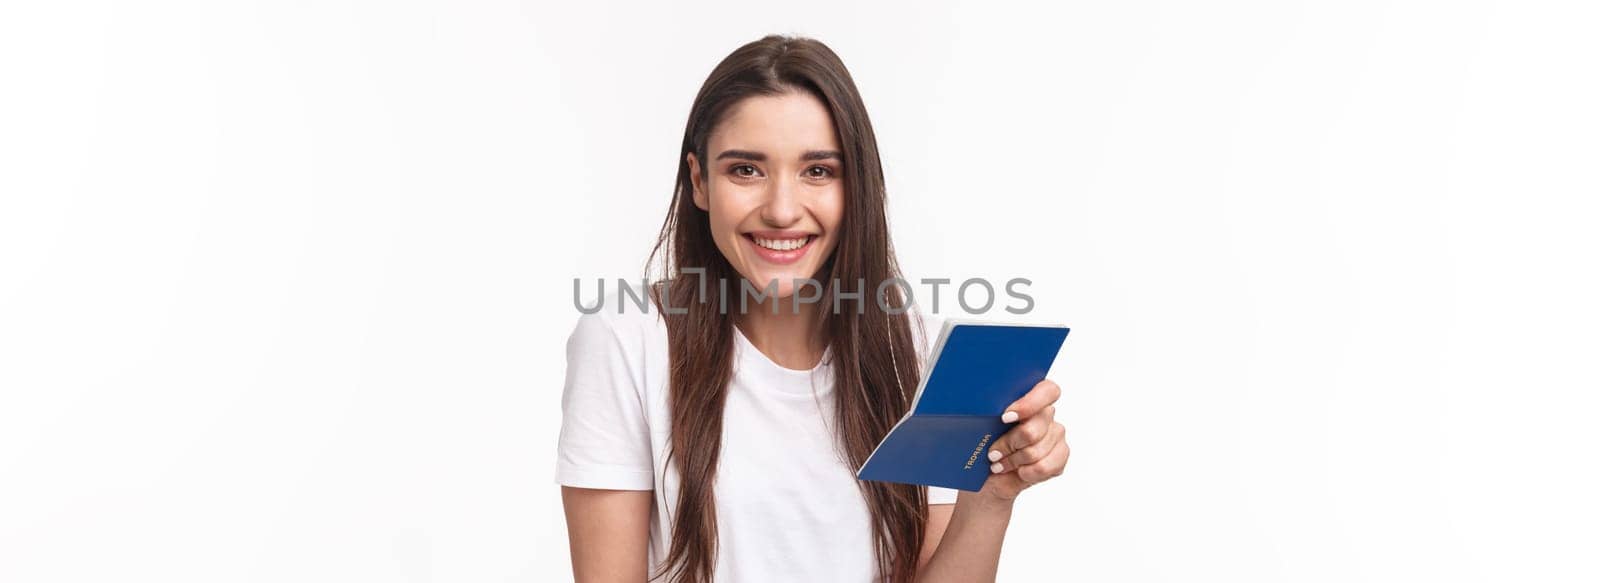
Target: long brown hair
875 367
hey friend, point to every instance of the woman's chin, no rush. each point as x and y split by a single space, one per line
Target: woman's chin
786 283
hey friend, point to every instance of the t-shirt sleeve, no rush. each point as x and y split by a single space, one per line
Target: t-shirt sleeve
937 495
605 440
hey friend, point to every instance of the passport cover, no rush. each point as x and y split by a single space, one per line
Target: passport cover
976 370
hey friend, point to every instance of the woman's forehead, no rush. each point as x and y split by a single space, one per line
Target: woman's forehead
784 126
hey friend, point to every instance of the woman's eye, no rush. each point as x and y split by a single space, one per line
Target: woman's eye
825 171
739 170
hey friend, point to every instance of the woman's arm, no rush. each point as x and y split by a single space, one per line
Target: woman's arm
966 540
608 531
1034 450
938 521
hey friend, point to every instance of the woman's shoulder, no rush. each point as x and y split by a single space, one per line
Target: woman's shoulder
625 325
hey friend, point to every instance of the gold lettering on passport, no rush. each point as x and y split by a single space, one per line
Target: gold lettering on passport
977 450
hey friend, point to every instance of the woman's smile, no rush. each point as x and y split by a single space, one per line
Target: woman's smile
780 247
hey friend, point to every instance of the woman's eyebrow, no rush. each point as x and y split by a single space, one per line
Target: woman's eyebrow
742 155
762 157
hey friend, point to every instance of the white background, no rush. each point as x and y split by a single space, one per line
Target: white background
285 286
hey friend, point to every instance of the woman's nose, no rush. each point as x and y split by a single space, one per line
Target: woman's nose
783 206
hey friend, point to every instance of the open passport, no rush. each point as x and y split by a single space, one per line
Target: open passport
975 370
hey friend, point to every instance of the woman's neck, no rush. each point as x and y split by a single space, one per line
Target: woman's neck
791 340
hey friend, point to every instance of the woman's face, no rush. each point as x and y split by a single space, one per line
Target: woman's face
775 188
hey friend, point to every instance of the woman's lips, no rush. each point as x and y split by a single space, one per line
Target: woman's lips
781 256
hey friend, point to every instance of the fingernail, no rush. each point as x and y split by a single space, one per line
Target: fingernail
994 455
995 468
1009 416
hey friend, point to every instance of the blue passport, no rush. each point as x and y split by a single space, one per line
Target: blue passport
975 371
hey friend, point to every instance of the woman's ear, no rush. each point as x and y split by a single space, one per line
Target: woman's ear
699 186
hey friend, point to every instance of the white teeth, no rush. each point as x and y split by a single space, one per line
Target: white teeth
781 244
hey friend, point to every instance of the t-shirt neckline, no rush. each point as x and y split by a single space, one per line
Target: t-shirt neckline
783 377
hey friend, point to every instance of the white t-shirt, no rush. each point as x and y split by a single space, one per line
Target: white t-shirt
788 508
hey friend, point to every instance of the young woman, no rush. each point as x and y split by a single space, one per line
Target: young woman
705 442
